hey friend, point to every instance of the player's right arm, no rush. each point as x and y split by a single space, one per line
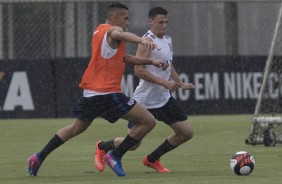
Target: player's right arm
116 34
140 72
174 76
135 60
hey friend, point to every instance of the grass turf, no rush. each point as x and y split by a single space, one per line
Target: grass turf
204 159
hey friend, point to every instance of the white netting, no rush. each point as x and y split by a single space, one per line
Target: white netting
267 124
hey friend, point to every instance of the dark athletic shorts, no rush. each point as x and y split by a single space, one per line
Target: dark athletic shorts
110 107
170 113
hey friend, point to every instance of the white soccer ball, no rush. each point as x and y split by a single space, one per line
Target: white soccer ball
242 163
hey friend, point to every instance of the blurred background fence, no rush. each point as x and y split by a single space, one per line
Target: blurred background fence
221 46
35 29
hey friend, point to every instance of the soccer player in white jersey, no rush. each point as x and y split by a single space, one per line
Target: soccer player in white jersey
154 92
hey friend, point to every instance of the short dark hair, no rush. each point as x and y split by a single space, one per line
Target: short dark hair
156 11
115 6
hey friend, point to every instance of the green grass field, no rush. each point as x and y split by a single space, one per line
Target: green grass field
204 159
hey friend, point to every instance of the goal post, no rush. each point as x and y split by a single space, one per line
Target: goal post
266 126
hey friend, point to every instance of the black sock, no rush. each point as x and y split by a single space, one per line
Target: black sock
125 145
107 145
54 143
160 151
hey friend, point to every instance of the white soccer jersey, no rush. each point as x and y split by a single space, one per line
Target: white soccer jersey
149 94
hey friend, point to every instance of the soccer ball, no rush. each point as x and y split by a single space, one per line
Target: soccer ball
242 163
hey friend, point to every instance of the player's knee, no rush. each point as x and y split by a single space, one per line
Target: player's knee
151 122
187 135
191 135
148 122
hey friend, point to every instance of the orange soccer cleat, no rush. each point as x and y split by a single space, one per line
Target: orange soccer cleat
156 165
99 158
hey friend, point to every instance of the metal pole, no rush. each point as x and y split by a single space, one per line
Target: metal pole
10 32
1 32
70 30
268 63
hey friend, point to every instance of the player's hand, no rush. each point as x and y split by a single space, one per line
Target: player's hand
188 86
171 85
160 63
149 45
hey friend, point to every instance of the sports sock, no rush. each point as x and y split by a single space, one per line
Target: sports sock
107 145
54 143
160 151
125 145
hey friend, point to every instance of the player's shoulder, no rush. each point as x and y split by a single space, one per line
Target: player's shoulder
152 37
149 35
167 37
113 28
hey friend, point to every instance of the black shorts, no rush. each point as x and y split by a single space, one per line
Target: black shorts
110 107
170 113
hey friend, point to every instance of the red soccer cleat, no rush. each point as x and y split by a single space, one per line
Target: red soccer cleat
99 158
156 165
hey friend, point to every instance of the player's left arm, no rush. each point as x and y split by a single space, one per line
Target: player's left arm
174 76
142 57
136 60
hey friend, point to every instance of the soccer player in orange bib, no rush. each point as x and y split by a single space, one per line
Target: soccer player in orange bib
102 91
153 92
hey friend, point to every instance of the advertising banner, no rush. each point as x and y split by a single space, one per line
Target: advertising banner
224 85
26 89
